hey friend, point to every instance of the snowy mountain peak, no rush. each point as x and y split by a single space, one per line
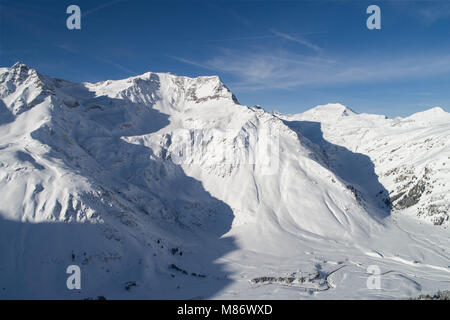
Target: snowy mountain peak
21 88
433 115
19 70
336 108
19 65
330 111
172 93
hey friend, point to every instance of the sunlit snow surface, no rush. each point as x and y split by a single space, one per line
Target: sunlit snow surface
160 186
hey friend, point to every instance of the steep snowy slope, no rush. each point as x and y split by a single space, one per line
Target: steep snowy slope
161 186
411 155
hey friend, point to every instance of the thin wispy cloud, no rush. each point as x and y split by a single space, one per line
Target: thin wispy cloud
73 50
264 36
281 69
116 65
434 12
296 39
191 62
426 11
100 7
244 21
237 16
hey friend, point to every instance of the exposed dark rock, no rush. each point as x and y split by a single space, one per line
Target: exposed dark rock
412 197
130 284
440 295
194 274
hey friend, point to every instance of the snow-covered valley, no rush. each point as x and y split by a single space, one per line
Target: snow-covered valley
163 186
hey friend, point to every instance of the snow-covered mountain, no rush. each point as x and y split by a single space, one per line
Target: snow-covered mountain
411 156
162 186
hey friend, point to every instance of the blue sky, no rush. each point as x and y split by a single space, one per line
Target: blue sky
283 55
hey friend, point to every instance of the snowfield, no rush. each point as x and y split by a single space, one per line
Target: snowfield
164 187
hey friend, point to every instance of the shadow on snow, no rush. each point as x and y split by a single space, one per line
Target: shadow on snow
161 246
356 169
